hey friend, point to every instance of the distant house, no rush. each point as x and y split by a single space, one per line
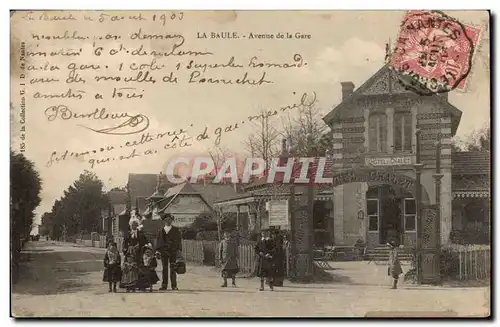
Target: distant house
118 212
152 194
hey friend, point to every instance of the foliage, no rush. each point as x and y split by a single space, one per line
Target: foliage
188 233
25 188
205 221
79 209
306 129
476 141
264 141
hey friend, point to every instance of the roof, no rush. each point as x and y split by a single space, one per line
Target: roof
144 185
117 197
213 193
471 163
335 113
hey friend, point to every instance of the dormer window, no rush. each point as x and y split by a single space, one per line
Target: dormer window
378 133
402 132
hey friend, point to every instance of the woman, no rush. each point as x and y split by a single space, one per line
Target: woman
228 254
134 238
265 249
394 269
133 246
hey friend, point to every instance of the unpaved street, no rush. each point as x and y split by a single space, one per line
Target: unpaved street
65 281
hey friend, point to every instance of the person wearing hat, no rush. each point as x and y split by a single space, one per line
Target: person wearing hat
394 269
266 268
168 248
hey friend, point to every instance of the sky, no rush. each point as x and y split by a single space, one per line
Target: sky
343 46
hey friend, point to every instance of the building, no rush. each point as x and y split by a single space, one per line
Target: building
117 212
374 128
372 164
471 209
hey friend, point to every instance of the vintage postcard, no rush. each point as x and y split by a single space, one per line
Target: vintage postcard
250 163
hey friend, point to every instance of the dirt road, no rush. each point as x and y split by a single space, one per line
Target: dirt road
65 281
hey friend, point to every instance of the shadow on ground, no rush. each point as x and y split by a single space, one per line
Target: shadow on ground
46 272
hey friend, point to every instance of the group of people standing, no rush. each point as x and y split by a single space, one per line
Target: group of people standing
138 269
271 259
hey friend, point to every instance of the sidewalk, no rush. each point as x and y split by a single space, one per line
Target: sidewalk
66 281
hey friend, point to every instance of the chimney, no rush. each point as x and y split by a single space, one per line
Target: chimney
347 89
283 146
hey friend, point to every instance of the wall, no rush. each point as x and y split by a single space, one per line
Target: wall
351 145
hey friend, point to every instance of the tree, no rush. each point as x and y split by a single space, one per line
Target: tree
79 209
306 124
218 154
264 142
25 188
480 141
475 141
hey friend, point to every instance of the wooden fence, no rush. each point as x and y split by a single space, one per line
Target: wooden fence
207 253
474 261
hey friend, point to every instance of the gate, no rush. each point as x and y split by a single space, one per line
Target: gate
429 254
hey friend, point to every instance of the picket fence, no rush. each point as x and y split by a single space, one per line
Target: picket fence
474 261
207 253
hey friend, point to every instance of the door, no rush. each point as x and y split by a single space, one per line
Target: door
391 226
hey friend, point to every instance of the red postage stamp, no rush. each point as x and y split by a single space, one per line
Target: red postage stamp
433 52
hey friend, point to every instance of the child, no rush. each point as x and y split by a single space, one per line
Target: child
265 250
228 254
130 273
112 269
394 269
147 272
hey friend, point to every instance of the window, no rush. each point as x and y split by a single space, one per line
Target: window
372 212
402 132
410 214
378 133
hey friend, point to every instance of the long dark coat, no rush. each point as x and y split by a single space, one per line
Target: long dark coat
228 254
139 242
112 269
265 251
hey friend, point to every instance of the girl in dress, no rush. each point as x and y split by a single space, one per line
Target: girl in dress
112 266
130 273
394 269
147 271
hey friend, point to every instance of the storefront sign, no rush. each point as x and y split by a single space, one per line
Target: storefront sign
374 176
278 212
394 161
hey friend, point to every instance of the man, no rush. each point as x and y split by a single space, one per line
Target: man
169 247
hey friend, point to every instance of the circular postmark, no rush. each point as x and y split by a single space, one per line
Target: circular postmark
433 52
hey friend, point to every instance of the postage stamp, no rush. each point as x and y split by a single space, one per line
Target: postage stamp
433 52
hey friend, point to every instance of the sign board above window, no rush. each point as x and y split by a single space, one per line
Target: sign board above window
389 161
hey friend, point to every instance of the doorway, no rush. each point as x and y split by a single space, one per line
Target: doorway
390 220
388 212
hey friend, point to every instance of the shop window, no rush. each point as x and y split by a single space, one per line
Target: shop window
372 211
378 133
410 215
402 132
